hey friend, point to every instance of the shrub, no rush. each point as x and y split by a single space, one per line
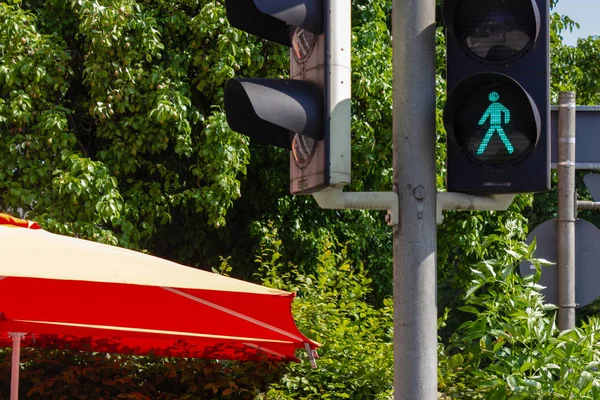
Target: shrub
511 347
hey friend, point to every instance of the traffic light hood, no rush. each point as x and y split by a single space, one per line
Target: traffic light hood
272 19
270 110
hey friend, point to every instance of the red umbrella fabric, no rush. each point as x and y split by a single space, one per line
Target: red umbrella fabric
70 293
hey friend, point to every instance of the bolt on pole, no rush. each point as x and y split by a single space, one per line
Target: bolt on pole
567 208
414 238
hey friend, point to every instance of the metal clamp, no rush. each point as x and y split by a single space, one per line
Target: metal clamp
568 305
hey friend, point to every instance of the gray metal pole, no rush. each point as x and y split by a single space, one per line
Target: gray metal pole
414 240
567 206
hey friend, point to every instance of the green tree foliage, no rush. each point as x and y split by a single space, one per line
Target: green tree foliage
108 114
574 67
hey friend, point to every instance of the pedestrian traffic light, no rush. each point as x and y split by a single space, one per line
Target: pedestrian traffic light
497 113
308 114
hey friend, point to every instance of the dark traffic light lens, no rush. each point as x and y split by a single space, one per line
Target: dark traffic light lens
492 119
496 31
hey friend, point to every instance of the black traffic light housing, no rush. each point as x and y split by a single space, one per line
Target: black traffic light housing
497 114
308 114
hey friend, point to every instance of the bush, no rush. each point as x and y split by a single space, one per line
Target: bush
511 347
51 374
356 360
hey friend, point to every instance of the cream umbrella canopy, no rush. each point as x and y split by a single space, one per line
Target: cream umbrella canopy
62 292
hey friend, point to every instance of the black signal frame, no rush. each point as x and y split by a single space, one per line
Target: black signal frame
530 70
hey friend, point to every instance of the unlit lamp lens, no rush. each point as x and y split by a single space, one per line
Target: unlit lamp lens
496 32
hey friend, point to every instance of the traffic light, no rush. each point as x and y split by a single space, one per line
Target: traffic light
308 114
497 113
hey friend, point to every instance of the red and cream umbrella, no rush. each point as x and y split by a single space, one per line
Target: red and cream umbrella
62 292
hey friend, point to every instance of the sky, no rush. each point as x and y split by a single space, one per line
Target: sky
586 13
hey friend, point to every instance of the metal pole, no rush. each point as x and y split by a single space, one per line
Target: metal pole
414 238
15 364
567 206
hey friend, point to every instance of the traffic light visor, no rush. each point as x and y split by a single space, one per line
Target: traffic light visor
272 110
492 119
493 31
272 19
245 15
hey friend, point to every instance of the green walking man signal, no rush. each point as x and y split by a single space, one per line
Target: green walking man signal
494 113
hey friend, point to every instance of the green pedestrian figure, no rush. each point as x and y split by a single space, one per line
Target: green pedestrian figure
494 113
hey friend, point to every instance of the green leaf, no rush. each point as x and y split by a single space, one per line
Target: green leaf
526 366
584 382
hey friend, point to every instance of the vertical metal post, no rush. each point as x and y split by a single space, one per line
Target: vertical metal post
414 238
567 208
15 364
